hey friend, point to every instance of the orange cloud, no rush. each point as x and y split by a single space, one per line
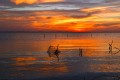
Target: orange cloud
24 1
59 21
33 1
95 9
62 23
50 1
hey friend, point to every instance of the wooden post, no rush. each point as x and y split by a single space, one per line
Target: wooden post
80 52
44 35
55 35
67 35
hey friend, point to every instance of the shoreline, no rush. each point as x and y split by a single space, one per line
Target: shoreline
79 76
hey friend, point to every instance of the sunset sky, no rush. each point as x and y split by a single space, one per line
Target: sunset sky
60 15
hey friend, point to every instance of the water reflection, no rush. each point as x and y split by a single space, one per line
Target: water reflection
24 61
42 66
105 67
52 50
26 55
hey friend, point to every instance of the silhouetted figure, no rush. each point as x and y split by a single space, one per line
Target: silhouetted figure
53 51
80 52
49 51
57 51
110 47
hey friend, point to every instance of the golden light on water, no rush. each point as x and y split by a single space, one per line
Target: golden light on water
25 59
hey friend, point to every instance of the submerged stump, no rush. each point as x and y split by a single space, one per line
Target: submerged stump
52 50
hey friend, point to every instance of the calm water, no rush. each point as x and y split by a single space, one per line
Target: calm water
24 55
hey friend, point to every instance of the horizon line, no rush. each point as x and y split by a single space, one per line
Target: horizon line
51 32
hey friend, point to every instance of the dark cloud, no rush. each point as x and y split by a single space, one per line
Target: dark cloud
108 24
84 14
10 3
65 5
106 27
111 1
5 2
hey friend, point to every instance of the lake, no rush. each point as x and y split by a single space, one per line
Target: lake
24 55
